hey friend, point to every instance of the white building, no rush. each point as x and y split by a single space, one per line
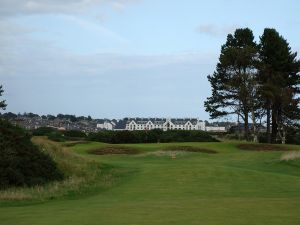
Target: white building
164 124
106 125
215 129
157 123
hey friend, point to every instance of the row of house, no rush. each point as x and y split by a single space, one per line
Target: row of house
34 121
158 123
31 123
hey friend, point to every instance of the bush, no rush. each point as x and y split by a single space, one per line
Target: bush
151 136
102 136
59 136
74 135
56 136
233 136
42 131
262 138
21 162
293 136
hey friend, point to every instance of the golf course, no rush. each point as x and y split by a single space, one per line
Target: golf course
217 183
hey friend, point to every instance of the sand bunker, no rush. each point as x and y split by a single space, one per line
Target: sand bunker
290 156
262 147
114 150
190 149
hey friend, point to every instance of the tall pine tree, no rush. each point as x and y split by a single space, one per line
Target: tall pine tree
234 81
280 83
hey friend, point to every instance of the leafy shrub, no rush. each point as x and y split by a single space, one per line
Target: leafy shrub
293 136
59 136
233 136
21 162
56 136
74 134
42 131
151 136
262 138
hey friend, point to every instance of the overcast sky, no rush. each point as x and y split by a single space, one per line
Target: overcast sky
118 58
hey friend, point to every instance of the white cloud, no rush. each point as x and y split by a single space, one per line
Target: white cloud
13 33
21 55
46 61
96 28
57 81
23 7
120 5
216 31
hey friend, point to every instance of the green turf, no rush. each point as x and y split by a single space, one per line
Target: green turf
233 187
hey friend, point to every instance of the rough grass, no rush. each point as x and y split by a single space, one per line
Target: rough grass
73 143
81 173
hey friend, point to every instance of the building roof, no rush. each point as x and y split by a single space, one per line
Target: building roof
120 125
161 121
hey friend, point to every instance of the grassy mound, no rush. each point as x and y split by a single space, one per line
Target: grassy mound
73 143
262 147
83 176
112 150
21 162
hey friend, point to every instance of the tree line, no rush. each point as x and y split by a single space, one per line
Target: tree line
125 136
151 136
257 81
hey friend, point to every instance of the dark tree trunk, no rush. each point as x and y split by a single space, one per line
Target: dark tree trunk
268 123
281 130
246 127
274 125
239 127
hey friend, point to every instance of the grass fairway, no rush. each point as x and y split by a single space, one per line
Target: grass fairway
231 187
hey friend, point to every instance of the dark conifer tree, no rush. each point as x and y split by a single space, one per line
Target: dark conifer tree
233 83
280 83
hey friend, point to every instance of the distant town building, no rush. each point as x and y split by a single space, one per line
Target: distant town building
164 124
62 122
105 124
215 129
158 123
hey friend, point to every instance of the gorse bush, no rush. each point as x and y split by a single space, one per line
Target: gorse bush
74 134
125 136
21 162
56 136
151 136
293 136
43 131
59 136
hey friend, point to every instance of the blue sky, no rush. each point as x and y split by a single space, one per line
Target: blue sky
118 58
